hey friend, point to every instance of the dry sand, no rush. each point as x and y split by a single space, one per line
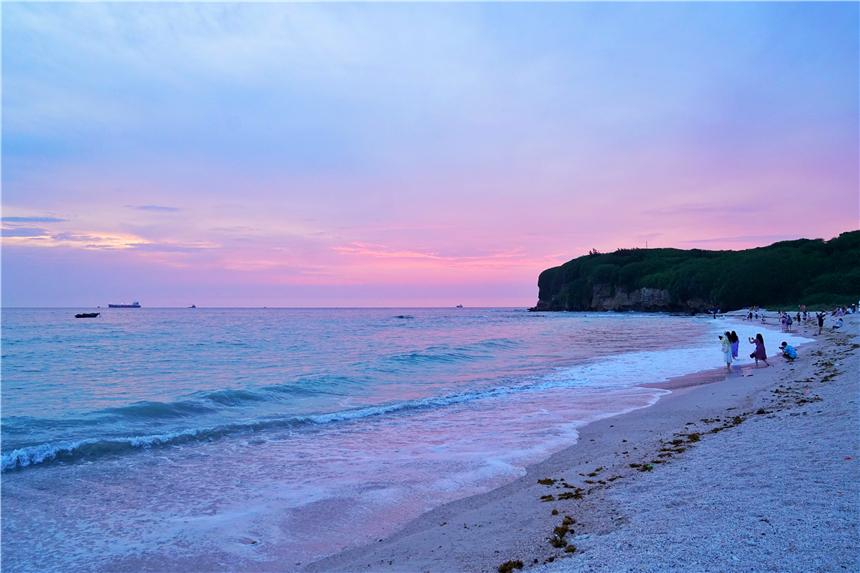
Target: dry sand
757 471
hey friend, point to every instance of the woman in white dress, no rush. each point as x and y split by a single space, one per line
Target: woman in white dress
726 347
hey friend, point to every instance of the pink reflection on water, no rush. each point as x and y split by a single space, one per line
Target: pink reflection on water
299 496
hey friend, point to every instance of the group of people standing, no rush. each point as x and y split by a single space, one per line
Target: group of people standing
729 341
755 313
730 345
786 321
837 314
803 317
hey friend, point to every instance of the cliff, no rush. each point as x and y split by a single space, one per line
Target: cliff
788 273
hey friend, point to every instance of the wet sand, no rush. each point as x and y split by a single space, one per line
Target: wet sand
752 471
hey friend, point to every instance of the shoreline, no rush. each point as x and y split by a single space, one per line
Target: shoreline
516 522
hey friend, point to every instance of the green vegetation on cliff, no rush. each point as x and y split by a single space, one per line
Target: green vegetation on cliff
812 272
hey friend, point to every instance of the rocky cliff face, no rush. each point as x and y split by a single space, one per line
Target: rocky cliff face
606 298
609 297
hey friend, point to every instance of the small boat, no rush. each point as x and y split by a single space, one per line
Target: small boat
135 304
87 314
193 306
459 306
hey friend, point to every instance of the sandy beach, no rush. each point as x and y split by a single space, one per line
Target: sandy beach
752 471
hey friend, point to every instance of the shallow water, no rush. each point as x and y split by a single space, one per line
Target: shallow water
160 439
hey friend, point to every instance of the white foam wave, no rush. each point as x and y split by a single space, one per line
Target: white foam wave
653 366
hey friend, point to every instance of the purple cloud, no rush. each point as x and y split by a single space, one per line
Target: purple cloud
743 239
168 248
724 208
25 232
154 208
32 220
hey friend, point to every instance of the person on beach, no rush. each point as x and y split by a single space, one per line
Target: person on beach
838 324
726 347
820 317
788 351
788 322
736 342
759 352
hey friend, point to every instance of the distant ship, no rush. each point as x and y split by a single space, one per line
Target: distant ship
135 304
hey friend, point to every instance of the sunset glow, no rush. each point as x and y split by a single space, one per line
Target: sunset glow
408 154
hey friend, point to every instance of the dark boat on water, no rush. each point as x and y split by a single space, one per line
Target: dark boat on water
87 314
135 304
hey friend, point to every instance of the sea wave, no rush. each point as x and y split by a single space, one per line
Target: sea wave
92 447
190 409
148 409
211 401
449 353
625 370
71 451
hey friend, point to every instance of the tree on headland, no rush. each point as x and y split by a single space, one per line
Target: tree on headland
804 271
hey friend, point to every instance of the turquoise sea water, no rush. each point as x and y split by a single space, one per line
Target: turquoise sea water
253 439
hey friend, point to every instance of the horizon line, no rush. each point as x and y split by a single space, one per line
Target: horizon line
259 307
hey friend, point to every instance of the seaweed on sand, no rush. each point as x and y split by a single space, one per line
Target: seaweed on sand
561 530
509 566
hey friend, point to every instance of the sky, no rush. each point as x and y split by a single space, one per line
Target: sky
408 154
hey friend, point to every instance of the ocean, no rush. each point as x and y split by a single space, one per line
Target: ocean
259 439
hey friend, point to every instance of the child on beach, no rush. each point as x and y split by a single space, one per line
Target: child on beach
726 347
788 351
759 352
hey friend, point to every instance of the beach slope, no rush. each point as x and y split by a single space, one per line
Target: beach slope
757 471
